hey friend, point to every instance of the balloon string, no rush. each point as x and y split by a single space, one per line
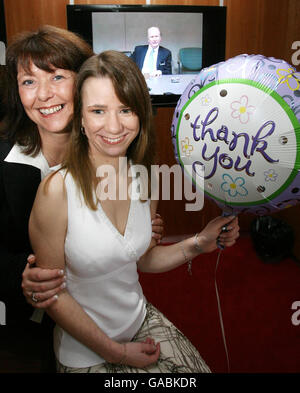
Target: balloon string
220 312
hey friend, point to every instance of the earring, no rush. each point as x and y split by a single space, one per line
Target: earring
82 130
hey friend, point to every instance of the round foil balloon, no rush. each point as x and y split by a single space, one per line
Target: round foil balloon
237 125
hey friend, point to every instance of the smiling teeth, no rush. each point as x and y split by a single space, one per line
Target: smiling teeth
49 111
113 140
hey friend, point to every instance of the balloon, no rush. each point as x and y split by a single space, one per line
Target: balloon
237 125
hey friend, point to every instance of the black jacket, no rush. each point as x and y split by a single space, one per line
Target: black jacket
18 187
25 346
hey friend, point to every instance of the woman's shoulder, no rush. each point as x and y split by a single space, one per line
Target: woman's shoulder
50 201
49 211
53 186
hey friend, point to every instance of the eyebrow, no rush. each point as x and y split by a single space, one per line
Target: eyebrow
24 73
105 106
29 73
24 76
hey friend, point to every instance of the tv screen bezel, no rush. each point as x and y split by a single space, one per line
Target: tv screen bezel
3 37
79 20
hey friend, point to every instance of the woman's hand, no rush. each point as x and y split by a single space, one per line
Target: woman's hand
141 354
44 284
220 230
157 228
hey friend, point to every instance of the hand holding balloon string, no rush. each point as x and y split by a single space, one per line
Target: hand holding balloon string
225 229
214 234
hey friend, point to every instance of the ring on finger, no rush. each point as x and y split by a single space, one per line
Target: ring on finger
33 298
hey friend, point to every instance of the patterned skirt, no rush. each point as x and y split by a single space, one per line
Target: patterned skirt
177 353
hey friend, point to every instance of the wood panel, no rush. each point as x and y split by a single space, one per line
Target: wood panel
23 15
292 32
281 28
243 27
267 27
273 39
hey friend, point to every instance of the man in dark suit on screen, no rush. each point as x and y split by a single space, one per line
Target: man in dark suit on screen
153 59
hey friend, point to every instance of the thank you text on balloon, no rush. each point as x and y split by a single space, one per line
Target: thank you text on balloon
204 131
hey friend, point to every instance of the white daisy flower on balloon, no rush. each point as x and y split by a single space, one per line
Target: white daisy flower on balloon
206 100
270 175
186 147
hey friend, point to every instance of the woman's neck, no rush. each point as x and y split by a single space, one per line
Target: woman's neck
54 147
118 163
112 176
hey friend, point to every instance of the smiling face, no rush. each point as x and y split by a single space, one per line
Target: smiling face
154 37
47 97
110 125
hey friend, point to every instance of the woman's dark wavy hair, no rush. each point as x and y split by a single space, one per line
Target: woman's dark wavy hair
49 47
3 92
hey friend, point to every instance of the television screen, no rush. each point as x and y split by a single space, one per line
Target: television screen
191 38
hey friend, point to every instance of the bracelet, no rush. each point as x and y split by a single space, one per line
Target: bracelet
196 243
189 261
124 355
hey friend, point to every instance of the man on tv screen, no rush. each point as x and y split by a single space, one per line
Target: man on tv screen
153 59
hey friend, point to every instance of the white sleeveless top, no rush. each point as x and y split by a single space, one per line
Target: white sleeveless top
101 272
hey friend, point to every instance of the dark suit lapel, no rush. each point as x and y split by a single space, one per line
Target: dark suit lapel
158 58
144 51
20 184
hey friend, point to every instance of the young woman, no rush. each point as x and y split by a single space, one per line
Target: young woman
35 132
104 322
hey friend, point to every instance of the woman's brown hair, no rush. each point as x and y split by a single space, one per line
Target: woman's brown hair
48 48
131 89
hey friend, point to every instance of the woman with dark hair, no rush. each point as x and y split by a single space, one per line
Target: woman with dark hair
104 323
41 68
3 92
35 132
